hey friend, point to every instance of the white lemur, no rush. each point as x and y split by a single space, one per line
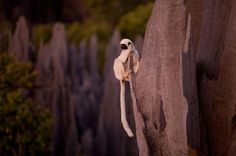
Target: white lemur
122 74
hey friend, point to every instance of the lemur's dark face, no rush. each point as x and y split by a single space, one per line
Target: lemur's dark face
126 44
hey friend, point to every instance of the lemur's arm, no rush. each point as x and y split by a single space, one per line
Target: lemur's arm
136 61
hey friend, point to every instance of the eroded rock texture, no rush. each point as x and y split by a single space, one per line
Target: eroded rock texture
71 90
20 45
186 83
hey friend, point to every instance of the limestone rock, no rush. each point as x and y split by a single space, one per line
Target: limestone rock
185 86
20 45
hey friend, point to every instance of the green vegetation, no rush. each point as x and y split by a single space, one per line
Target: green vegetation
5 25
5 30
41 33
111 11
134 22
25 127
76 32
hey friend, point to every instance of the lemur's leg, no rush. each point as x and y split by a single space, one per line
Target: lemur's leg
127 74
119 70
136 67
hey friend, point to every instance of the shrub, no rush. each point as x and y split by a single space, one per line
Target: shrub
134 22
41 33
25 127
76 32
5 31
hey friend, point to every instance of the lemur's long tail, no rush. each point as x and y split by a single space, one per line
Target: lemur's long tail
123 110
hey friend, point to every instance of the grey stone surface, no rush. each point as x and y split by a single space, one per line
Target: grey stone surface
186 80
68 87
20 44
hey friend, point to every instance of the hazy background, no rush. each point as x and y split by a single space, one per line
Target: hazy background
58 94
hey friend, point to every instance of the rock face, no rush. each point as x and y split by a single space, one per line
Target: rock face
185 86
20 44
70 90
56 90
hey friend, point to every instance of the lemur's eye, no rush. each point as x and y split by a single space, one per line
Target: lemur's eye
129 43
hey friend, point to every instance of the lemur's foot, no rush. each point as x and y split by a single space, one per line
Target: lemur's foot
127 74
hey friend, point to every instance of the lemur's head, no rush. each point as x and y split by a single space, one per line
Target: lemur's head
126 44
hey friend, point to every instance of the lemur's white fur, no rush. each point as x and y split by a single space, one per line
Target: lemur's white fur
122 74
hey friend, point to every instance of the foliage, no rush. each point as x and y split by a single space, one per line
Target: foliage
76 32
134 22
111 10
5 25
25 127
5 31
41 33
